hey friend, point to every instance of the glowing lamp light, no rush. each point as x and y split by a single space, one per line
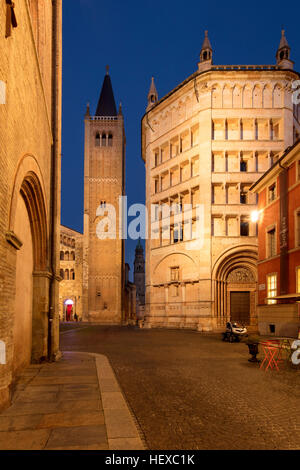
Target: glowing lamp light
254 216
69 302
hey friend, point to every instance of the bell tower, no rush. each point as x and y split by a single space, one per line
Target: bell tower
283 58
139 273
104 183
206 54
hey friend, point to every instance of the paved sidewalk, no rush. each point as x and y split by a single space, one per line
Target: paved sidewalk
75 404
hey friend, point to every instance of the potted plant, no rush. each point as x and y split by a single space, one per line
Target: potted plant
252 343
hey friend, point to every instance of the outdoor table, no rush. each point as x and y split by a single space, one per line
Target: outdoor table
275 350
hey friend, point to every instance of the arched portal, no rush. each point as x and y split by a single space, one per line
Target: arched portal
235 281
69 308
22 332
28 222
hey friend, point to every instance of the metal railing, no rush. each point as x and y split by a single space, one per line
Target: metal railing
244 67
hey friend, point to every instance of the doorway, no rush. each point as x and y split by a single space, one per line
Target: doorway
240 307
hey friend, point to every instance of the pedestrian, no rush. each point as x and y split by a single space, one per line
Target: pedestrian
76 317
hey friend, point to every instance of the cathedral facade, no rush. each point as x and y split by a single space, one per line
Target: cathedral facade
70 288
204 144
30 136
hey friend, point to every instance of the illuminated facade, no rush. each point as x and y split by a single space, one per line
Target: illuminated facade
206 142
279 246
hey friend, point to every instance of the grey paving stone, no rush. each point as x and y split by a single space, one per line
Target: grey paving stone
120 424
71 419
24 440
134 443
77 436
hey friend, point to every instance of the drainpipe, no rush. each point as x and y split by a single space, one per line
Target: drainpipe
284 230
55 171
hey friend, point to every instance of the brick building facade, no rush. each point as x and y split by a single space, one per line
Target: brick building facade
279 245
30 143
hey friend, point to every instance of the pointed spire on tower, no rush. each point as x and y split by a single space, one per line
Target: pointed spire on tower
283 53
206 43
152 95
120 113
106 104
87 113
139 247
205 54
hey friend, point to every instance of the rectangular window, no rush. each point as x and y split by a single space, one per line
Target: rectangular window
243 197
156 159
271 242
178 235
272 193
175 274
298 228
243 166
298 169
244 229
271 288
298 280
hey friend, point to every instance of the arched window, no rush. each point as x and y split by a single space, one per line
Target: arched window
267 97
72 275
62 274
73 243
97 142
72 256
277 97
110 140
67 275
257 97
103 140
62 256
67 256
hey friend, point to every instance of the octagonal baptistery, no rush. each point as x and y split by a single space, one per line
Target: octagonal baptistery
204 144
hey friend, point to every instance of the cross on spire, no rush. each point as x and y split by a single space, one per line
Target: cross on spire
11 20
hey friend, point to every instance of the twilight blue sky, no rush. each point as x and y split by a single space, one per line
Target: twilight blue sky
142 38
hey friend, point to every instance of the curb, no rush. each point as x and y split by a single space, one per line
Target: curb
122 429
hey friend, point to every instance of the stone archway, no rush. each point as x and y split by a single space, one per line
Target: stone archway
235 283
28 226
22 329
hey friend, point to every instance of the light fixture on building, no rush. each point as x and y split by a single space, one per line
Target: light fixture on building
255 216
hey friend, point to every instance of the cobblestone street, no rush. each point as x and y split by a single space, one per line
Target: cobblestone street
190 391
